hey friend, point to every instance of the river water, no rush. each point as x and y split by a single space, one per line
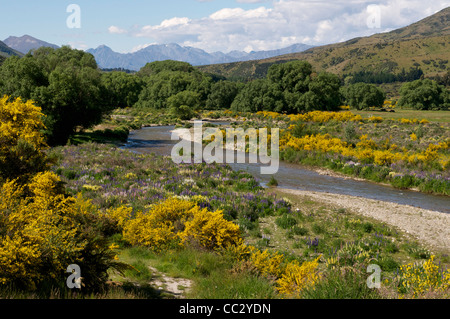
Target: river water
158 140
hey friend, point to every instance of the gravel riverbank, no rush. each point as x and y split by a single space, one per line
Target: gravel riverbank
430 227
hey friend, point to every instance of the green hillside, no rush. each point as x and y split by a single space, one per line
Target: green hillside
6 51
424 44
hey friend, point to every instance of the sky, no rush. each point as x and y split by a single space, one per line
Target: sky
211 25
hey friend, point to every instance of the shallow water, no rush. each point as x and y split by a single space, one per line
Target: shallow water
158 140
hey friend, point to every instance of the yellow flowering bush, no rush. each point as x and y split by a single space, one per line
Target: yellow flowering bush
43 231
210 229
420 279
21 142
156 228
176 222
366 150
296 277
323 117
268 264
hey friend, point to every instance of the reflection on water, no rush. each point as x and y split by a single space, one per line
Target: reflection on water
158 140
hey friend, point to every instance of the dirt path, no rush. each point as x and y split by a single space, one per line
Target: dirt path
430 227
173 286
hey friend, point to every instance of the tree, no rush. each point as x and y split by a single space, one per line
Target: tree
290 87
362 96
122 89
184 104
20 77
259 95
324 91
223 94
163 84
65 83
291 76
167 65
424 95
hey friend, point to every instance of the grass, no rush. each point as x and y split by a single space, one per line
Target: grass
213 275
315 228
432 116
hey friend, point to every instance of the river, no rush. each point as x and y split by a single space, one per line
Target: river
292 176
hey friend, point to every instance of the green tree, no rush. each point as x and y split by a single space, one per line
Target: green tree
161 85
20 77
65 83
362 96
259 95
223 94
122 89
290 87
293 77
184 104
424 95
167 65
323 93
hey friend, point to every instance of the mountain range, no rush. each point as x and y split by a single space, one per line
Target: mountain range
107 58
26 43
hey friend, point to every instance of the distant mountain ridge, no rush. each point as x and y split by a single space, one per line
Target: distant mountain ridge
107 58
26 43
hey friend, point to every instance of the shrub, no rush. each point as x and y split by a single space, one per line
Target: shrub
43 231
210 229
21 143
286 221
420 279
176 222
268 264
297 277
156 229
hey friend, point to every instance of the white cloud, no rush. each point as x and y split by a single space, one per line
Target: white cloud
286 22
140 47
173 22
116 30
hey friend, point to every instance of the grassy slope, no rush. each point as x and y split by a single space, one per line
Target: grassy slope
425 40
6 51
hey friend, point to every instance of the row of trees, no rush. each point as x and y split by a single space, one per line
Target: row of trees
65 83
73 92
413 74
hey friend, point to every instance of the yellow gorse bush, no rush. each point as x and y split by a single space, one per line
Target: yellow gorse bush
42 229
20 121
420 279
323 117
290 277
210 229
21 141
366 150
268 264
297 277
176 222
39 231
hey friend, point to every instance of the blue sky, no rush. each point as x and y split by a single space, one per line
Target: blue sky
212 25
